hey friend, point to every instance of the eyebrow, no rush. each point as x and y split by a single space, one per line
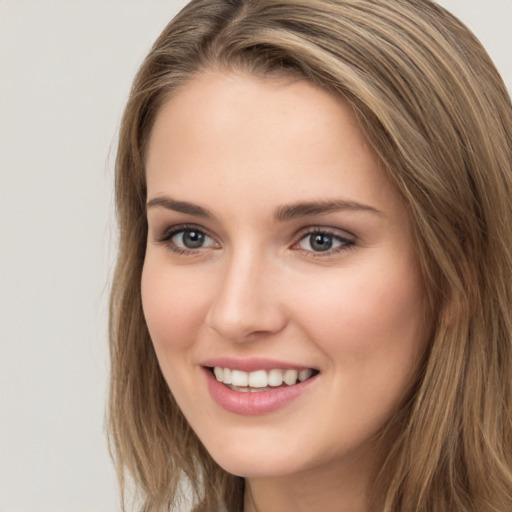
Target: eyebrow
178 206
281 214
291 211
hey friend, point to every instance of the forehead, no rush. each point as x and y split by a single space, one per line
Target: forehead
236 134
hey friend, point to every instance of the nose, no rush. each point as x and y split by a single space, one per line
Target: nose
246 305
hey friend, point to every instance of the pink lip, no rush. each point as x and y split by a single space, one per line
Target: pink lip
256 403
252 364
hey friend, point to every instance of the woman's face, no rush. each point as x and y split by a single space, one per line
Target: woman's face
277 249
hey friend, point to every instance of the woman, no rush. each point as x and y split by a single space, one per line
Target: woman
312 303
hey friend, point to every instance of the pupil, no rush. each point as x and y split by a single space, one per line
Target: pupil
193 239
320 242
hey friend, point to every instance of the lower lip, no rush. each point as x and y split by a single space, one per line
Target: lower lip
261 402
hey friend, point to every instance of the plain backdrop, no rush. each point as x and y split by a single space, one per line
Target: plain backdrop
65 72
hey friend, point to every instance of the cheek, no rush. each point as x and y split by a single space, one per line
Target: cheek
173 306
372 332
369 320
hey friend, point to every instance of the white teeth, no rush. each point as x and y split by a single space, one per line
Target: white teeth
275 377
261 378
304 374
258 379
239 378
290 377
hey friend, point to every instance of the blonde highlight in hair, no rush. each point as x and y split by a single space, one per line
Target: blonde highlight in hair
436 111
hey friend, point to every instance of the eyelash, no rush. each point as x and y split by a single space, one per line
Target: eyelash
166 238
345 243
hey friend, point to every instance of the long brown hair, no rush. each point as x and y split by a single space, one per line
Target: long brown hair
436 111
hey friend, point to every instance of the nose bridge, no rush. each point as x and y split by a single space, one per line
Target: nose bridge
246 302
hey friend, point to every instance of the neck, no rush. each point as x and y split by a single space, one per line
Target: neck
321 489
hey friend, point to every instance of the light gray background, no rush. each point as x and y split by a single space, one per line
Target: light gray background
65 71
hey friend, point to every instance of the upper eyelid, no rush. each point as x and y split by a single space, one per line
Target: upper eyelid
166 234
341 233
346 244
333 235
165 239
169 232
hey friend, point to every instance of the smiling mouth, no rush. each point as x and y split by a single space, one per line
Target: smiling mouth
261 380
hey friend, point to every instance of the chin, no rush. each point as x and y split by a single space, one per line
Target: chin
250 459
262 467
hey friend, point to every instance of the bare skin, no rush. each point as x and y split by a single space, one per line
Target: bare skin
274 233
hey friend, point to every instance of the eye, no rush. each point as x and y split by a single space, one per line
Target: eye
182 239
191 239
323 242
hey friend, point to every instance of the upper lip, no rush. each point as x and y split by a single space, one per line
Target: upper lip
252 364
